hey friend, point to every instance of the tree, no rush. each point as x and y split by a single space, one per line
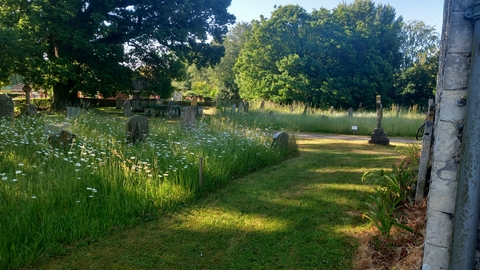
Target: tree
418 40
104 46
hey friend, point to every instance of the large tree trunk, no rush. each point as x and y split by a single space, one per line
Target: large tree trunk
63 96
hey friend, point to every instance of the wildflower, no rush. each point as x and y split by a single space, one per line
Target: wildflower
20 164
77 201
132 157
4 178
34 197
18 172
78 164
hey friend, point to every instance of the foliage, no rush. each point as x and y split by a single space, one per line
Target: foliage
393 189
339 58
105 46
41 104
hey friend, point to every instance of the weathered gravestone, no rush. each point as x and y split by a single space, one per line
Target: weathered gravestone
73 111
29 110
234 108
127 108
246 106
137 128
62 139
118 103
171 109
350 112
136 105
188 119
52 129
332 110
280 140
6 107
262 104
240 106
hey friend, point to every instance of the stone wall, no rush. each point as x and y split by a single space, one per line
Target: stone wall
454 68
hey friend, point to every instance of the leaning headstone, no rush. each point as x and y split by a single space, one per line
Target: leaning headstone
118 103
62 139
350 112
262 104
51 129
234 108
332 109
137 128
188 116
73 111
171 109
246 106
29 110
305 109
127 108
6 107
240 106
280 140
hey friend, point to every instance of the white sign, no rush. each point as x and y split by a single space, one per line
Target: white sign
354 128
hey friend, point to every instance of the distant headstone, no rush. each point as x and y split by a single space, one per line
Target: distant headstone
398 111
305 109
291 108
29 110
188 116
6 107
136 105
379 136
246 106
137 128
127 108
280 140
194 101
240 106
262 104
200 111
350 112
360 107
52 129
118 103
171 109
332 110
62 139
270 114
234 108
73 111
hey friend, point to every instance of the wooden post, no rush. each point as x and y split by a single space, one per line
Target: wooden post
200 172
425 155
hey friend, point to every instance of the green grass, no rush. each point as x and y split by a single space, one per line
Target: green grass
54 197
303 213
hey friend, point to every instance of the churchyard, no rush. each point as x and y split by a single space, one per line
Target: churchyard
100 181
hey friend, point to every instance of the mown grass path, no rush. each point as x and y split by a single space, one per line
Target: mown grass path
303 213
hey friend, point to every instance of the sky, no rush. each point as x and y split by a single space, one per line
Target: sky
428 11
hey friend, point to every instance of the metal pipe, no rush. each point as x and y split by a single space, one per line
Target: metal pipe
467 206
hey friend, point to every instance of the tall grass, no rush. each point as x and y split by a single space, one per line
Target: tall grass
324 121
54 197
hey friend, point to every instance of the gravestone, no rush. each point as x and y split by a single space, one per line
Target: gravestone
398 111
51 129
234 108
305 109
360 107
6 107
29 110
291 108
62 139
137 128
240 106
332 110
262 104
188 119
280 140
136 105
200 111
127 108
171 109
118 103
73 111
379 136
350 112
246 106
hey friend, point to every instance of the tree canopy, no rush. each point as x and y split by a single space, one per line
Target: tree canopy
106 46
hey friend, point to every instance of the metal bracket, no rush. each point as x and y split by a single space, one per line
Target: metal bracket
461 102
469 13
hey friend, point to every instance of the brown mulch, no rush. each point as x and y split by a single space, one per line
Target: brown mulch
403 250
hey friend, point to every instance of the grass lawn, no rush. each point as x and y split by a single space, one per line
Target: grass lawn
303 213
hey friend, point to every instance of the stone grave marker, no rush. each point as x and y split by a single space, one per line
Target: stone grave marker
171 109
136 105
379 136
118 103
234 108
29 110
6 107
350 112
262 104
73 111
246 106
332 110
188 116
127 108
137 128
280 140
240 106
194 101
51 129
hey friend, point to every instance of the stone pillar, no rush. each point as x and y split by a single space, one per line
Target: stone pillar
379 136
452 82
